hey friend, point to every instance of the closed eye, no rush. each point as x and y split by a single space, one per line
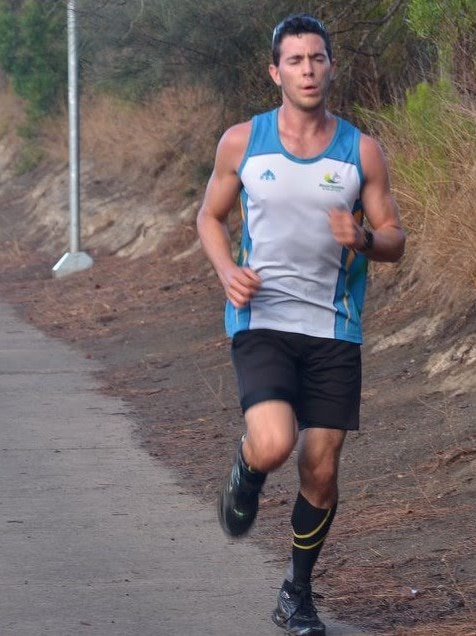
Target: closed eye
297 59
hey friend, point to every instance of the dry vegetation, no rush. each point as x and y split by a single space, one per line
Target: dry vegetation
11 111
164 146
7 111
434 177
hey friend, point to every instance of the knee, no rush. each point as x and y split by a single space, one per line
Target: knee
267 453
319 484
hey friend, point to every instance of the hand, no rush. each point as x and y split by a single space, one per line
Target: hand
240 284
345 230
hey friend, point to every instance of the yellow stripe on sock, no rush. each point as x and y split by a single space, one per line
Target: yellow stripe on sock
309 547
314 532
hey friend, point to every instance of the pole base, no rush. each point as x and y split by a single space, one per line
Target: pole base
70 263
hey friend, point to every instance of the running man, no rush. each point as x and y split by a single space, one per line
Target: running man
307 180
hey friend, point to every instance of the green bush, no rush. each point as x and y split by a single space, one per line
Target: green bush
33 52
445 23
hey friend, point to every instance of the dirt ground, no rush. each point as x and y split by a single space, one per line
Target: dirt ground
401 556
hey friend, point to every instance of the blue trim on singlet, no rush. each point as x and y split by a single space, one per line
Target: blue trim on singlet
350 289
239 319
328 152
341 150
356 154
264 140
236 319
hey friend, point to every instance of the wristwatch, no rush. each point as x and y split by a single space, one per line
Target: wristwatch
368 240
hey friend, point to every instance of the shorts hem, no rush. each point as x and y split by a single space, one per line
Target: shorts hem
354 426
265 395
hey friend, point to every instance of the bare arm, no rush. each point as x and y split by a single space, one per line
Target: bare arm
380 209
239 283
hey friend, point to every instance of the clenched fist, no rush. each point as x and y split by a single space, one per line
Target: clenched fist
345 230
240 284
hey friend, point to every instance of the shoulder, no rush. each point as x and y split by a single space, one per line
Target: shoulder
370 146
372 156
233 143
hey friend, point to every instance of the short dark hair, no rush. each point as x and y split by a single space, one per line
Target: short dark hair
295 25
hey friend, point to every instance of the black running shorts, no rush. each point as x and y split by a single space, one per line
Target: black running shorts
319 377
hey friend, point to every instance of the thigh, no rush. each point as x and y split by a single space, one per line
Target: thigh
271 431
330 385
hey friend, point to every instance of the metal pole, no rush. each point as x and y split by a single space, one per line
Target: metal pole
73 128
74 260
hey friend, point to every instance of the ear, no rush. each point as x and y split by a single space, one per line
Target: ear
274 72
333 69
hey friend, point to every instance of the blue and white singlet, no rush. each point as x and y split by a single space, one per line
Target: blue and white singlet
310 284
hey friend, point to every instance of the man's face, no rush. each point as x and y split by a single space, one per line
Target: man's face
304 71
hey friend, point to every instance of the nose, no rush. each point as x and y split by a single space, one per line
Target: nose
307 67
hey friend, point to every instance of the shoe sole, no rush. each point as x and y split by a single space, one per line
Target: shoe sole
221 514
280 621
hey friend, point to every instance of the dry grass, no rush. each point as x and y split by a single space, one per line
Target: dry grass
434 179
11 115
164 147
11 111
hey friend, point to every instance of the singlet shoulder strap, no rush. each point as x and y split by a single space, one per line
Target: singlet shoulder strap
346 146
263 137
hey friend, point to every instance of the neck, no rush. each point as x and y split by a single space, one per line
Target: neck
303 122
305 134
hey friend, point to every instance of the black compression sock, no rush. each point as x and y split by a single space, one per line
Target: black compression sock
310 528
251 476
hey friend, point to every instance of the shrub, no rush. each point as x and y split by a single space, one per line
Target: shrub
430 140
33 52
162 148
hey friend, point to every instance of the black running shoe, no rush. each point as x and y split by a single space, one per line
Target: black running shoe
296 612
238 499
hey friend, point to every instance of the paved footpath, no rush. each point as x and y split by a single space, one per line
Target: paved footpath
96 537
